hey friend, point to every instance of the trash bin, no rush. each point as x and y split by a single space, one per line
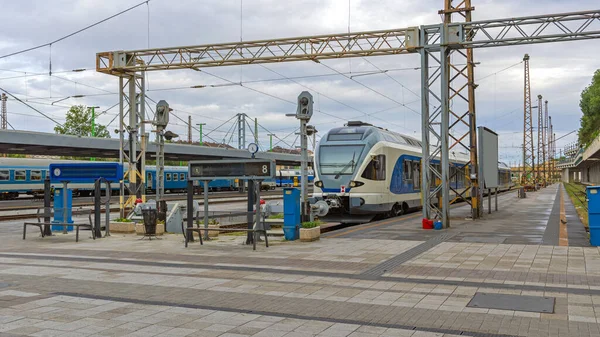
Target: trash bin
593 196
150 217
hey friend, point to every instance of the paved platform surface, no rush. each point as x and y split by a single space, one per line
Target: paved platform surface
381 279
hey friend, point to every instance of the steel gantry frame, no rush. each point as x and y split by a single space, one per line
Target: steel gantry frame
433 42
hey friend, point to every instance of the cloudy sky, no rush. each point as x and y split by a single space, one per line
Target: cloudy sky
559 71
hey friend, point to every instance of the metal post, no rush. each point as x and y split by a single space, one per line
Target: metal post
65 199
133 130
4 116
445 128
206 209
93 121
47 205
304 171
190 210
545 137
496 195
540 159
97 208
250 215
257 183
200 125
189 129
425 190
93 126
121 146
489 201
256 131
271 141
107 210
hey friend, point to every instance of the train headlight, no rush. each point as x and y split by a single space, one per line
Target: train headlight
319 183
356 183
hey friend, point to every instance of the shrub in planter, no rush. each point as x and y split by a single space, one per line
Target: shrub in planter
310 231
122 225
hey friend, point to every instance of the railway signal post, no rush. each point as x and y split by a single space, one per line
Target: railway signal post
304 113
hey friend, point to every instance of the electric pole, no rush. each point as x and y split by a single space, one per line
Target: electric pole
538 175
189 129
4 112
200 125
545 141
271 141
527 179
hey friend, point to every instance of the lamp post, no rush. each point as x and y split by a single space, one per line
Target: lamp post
200 126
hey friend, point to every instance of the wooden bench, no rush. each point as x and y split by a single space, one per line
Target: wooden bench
190 231
48 213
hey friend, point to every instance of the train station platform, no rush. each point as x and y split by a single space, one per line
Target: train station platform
514 273
533 220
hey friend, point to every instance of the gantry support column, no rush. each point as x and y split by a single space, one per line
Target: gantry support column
133 152
452 124
462 127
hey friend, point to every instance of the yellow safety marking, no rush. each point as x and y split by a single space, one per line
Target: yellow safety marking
563 238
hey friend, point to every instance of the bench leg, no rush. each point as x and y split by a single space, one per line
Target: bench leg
266 239
93 232
24 231
42 230
187 235
76 233
200 236
254 240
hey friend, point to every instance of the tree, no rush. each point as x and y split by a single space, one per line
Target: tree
79 123
590 106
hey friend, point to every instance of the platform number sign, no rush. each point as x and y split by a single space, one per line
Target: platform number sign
244 169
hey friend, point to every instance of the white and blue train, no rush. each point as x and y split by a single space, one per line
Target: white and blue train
363 171
20 176
25 176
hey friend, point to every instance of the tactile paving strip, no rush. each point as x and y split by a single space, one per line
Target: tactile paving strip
408 255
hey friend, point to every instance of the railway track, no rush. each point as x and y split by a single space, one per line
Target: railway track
213 201
36 203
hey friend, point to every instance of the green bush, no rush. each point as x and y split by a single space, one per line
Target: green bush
311 224
276 216
122 220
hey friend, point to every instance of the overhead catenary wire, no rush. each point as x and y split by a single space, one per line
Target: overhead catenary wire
75 32
32 108
371 89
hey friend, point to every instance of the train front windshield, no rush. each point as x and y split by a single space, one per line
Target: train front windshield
339 159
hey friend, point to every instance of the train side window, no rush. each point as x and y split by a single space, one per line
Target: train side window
168 175
4 175
407 173
36 175
20 175
182 176
375 170
175 177
416 175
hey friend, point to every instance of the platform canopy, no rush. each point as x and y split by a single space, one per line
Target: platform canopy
39 143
